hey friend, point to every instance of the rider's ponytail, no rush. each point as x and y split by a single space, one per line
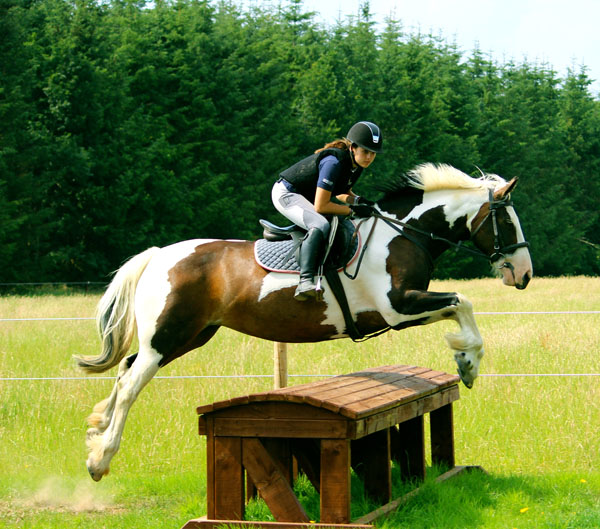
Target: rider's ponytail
343 144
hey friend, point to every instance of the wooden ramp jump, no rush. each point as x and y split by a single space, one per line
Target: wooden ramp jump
361 420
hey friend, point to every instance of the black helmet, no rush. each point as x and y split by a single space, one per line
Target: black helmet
366 135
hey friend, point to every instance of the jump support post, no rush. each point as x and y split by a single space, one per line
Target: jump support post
363 420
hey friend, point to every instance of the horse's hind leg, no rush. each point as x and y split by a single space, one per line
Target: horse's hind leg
104 440
103 411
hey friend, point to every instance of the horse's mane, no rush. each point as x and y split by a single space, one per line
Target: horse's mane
431 177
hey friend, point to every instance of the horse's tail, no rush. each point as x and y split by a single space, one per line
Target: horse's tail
115 316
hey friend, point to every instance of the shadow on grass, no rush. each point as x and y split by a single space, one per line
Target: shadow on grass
472 500
479 500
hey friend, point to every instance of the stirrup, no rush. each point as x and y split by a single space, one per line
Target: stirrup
319 290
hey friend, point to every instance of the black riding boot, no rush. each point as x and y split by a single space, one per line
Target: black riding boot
309 254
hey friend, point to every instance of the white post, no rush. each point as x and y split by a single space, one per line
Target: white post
280 364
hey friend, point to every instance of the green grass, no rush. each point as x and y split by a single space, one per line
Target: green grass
537 437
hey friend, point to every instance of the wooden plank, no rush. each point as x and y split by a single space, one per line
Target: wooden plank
352 383
229 498
236 401
390 394
321 393
339 397
271 484
202 425
205 523
275 410
315 390
437 400
210 469
335 481
334 429
446 379
378 404
281 453
392 416
442 436
410 389
370 457
393 505
317 393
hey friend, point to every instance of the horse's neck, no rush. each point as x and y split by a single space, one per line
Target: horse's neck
444 213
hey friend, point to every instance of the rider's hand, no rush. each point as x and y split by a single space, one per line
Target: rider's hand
361 210
363 200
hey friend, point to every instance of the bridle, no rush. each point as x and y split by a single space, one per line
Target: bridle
500 248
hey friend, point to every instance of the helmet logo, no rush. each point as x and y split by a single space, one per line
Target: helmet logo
374 131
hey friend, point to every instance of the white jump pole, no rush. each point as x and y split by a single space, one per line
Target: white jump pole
280 365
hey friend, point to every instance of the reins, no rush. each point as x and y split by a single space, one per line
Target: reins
500 249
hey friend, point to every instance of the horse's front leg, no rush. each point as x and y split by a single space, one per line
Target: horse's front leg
420 307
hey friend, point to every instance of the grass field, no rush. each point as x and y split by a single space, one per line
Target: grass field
536 436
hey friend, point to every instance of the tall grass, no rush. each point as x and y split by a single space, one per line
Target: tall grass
536 436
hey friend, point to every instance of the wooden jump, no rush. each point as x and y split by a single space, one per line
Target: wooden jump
361 420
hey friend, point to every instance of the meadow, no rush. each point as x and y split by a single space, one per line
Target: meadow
536 436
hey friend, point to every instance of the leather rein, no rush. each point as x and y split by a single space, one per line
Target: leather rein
500 249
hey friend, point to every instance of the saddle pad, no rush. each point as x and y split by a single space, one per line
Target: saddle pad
272 255
275 255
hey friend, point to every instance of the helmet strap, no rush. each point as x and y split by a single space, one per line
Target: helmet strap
352 147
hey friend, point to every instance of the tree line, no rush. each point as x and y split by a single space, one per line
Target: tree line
127 124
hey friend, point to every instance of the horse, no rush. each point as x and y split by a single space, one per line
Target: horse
179 295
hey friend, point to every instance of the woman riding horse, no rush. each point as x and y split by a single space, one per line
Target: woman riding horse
304 193
177 297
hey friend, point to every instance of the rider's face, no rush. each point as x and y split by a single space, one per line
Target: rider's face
363 157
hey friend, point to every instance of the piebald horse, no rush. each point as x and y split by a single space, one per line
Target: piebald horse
181 294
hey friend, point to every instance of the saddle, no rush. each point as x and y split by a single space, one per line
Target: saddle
278 250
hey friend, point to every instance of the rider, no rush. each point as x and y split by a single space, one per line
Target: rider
304 193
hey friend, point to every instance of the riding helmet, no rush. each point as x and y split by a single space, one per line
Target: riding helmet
366 135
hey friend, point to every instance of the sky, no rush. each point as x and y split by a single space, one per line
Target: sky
561 33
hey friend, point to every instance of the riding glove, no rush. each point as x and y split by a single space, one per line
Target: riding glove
361 210
363 200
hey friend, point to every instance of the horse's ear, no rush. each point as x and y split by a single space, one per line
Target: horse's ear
507 189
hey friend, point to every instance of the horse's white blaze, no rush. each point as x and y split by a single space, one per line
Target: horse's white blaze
520 260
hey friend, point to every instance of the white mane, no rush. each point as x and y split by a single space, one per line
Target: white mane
431 177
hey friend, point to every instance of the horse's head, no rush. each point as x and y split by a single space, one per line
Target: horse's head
453 207
497 232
